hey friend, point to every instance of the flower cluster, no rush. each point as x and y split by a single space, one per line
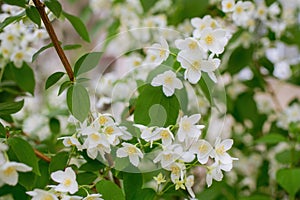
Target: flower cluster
9 169
19 41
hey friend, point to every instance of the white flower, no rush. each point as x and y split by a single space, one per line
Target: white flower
38 194
168 81
243 11
189 182
189 44
159 179
228 5
158 53
282 70
201 24
220 149
101 148
177 170
9 172
164 134
131 151
203 150
194 64
188 129
213 40
71 141
93 197
213 172
66 179
20 55
169 155
68 197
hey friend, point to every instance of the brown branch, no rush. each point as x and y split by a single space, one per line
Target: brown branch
42 156
41 8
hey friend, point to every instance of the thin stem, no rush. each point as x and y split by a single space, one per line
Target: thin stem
41 8
42 156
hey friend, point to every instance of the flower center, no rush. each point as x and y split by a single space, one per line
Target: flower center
239 9
95 136
186 126
162 53
209 39
220 150
203 148
136 63
193 45
9 171
102 120
175 170
109 130
47 197
196 65
168 157
131 150
164 134
169 80
229 5
19 55
67 182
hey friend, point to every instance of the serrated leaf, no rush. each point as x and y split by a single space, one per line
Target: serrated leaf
109 190
78 26
36 54
153 108
21 3
8 108
33 15
64 86
71 46
271 139
78 101
24 153
54 6
87 62
24 77
58 162
53 79
10 20
289 179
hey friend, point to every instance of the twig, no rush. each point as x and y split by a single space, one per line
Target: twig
41 8
42 156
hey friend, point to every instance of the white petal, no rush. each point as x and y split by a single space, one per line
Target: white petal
134 159
121 153
58 176
194 118
227 144
168 91
193 76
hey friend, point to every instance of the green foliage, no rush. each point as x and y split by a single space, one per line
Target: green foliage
8 108
87 62
64 86
33 15
147 4
54 125
11 19
109 190
153 108
271 138
24 152
24 77
59 161
53 79
21 3
54 6
78 26
86 178
289 179
78 101
239 59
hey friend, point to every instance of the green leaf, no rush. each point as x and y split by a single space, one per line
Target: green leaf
239 59
24 153
132 183
87 62
64 86
11 19
54 6
36 54
59 161
33 15
53 79
2 130
92 166
8 108
256 197
147 4
287 156
289 179
78 101
272 138
24 77
86 178
109 190
78 26
21 3
54 125
71 46
153 108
